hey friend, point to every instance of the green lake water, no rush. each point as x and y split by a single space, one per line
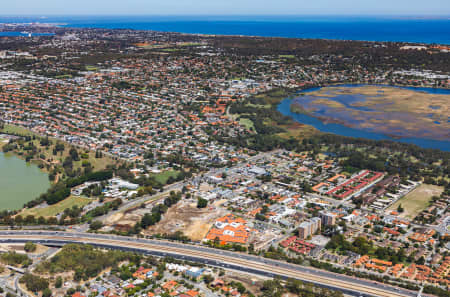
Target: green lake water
19 182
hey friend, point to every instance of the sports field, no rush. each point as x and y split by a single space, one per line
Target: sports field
417 200
55 209
164 176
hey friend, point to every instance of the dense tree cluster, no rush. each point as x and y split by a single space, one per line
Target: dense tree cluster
202 203
93 176
84 260
363 247
275 288
30 247
15 259
104 209
150 219
34 283
339 55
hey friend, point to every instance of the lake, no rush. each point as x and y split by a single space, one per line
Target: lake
318 121
20 182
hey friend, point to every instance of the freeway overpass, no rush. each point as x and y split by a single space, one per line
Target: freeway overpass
219 258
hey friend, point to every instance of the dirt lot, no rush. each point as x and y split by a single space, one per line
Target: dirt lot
5 271
19 248
252 283
187 218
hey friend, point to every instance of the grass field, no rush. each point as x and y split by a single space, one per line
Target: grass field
170 50
417 200
97 163
63 76
164 176
10 129
54 209
247 123
286 56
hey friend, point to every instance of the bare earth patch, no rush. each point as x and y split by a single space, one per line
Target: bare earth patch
187 218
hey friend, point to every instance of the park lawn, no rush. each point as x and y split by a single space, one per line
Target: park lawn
247 123
53 210
164 176
170 50
417 200
190 44
286 56
98 164
16 130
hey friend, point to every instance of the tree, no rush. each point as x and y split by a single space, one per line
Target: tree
272 288
260 217
202 203
400 208
96 225
207 278
421 261
30 247
58 282
71 291
46 293
74 154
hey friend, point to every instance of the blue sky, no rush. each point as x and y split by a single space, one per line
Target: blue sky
224 7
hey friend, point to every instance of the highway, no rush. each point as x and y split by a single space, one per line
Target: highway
219 258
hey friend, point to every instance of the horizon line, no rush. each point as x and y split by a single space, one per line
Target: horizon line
231 15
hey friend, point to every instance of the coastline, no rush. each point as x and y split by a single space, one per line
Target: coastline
302 27
371 28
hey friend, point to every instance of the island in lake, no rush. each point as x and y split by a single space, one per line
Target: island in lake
397 112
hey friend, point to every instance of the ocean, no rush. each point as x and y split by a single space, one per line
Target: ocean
370 28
